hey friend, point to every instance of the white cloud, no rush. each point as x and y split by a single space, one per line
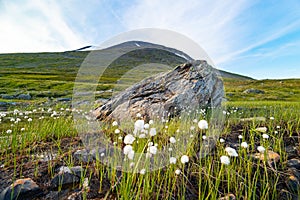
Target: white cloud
35 26
210 23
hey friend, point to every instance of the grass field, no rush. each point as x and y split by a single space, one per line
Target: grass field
37 139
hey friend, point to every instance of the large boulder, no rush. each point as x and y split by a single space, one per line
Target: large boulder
189 85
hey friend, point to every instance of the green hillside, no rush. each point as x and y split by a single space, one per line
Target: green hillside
51 75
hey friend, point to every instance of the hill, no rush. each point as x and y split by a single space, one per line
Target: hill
51 75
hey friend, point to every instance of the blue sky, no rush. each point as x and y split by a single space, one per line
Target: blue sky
257 38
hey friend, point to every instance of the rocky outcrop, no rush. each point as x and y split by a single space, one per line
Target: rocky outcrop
188 86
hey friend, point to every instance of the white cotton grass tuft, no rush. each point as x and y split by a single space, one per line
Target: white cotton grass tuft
139 125
231 151
115 123
117 131
240 137
184 159
129 139
142 171
172 140
177 171
151 121
204 137
261 149
127 149
265 136
272 118
222 140
225 160
173 160
244 145
9 131
261 129
138 115
202 124
152 132
153 150
146 126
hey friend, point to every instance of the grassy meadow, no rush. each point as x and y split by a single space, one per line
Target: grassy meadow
38 136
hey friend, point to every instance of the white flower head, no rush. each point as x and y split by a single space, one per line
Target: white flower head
127 149
152 132
222 140
9 131
240 137
115 123
139 125
204 137
151 121
265 136
117 131
225 160
129 139
244 145
272 118
138 115
261 149
143 171
173 160
202 124
22 129
29 120
153 149
184 159
172 140
146 126
231 151
177 171
261 129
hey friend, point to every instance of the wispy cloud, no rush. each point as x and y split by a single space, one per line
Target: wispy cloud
33 25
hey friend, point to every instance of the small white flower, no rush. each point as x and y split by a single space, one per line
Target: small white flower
278 127
146 126
261 149
130 155
261 129
222 140
29 119
170 149
240 137
115 123
102 154
202 124
172 140
151 122
127 149
129 139
117 131
225 160
153 149
276 132
139 125
9 131
177 171
143 171
22 129
244 145
173 160
152 132
231 151
138 115
272 118
265 136
204 137
184 159
192 128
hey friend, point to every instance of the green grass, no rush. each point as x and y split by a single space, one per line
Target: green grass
52 75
